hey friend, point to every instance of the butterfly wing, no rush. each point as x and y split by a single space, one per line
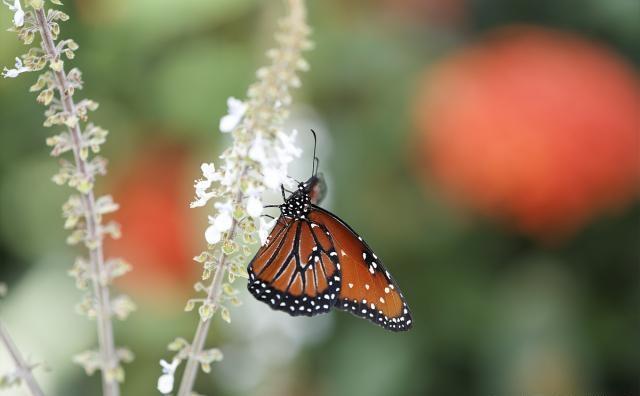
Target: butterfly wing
368 290
297 270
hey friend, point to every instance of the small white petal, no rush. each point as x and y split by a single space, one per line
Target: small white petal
202 200
273 177
13 73
201 186
222 222
10 73
18 17
166 380
257 152
208 171
254 206
287 143
169 368
236 107
228 178
236 111
16 8
228 123
165 384
212 235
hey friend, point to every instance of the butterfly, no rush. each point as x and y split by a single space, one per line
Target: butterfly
312 261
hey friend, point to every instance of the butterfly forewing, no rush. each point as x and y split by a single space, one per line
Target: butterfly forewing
296 271
367 288
266 252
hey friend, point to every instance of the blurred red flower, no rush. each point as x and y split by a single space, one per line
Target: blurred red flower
159 236
534 126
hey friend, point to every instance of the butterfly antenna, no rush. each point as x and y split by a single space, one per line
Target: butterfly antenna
295 180
316 160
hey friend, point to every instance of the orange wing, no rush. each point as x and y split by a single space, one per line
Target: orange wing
368 290
297 270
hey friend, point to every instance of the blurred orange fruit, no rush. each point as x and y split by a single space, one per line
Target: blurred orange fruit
533 126
159 237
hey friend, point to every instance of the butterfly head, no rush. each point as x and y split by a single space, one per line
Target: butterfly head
316 188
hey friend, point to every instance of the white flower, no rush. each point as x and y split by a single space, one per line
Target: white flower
18 13
237 109
274 177
229 176
202 185
265 229
288 147
223 221
212 235
202 199
13 73
254 206
256 152
165 382
209 171
219 224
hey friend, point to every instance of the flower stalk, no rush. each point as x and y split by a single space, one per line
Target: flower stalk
213 296
23 371
256 162
83 211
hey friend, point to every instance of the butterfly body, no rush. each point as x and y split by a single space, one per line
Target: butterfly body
313 261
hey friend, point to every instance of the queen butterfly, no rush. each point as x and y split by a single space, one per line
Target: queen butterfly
313 261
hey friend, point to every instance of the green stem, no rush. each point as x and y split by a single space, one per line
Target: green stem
110 386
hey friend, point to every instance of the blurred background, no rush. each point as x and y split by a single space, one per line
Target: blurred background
487 149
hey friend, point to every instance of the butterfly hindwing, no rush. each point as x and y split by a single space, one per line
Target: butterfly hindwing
367 289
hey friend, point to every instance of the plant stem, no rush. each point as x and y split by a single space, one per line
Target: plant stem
213 294
110 386
22 368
